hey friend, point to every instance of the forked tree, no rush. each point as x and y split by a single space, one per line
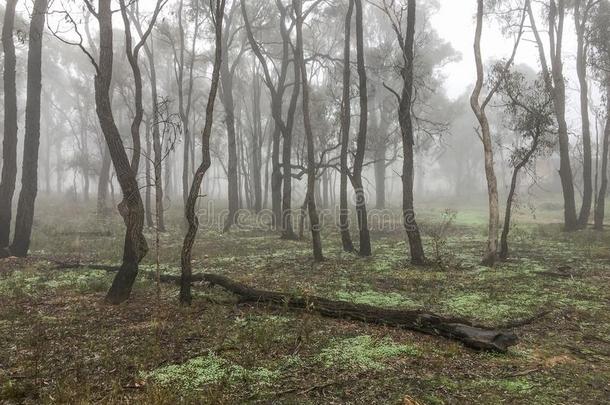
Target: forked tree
484 131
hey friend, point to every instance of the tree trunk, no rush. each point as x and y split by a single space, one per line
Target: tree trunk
406 126
601 195
346 115
287 228
363 227
314 222
189 210
492 188
580 19
131 207
156 135
9 143
226 77
147 198
29 173
257 133
555 84
102 185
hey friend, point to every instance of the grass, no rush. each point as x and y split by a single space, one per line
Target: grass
61 344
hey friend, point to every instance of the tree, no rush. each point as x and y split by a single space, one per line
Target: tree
555 82
227 75
9 144
478 108
530 110
131 207
314 221
599 60
356 178
582 10
405 102
29 172
346 116
193 196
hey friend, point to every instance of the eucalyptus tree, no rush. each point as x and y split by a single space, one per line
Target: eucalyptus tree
479 109
530 115
555 82
29 172
314 221
218 8
9 143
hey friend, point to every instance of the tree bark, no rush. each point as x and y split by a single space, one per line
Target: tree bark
406 126
156 135
363 227
346 115
471 335
603 188
580 18
131 207
9 143
555 83
147 198
314 222
511 195
102 185
29 172
226 96
189 210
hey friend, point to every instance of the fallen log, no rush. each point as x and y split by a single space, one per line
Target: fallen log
471 335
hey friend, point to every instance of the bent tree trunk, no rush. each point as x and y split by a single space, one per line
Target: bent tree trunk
406 127
29 172
9 144
131 207
189 210
346 238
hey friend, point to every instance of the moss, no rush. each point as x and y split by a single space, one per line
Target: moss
375 298
362 352
211 369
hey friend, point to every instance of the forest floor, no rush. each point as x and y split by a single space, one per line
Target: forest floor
59 342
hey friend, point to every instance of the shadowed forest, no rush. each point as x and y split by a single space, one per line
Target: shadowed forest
305 201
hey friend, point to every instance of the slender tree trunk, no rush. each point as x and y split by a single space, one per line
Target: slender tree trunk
580 19
363 227
287 228
29 173
255 172
189 210
226 77
156 135
131 207
511 196
346 115
601 194
9 143
555 83
314 221
406 126
147 198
